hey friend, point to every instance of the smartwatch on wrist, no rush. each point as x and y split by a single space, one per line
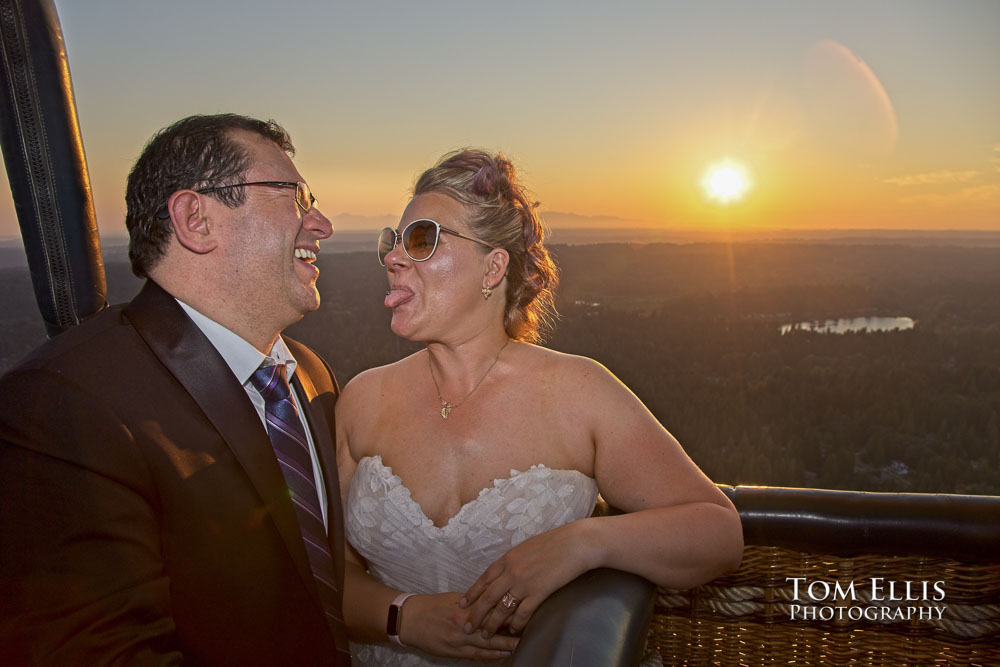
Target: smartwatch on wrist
395 619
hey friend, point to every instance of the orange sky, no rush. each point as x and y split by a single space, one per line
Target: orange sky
845 115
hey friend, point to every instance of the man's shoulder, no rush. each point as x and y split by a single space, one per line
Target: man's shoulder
312 364
68 375
107 343
81 344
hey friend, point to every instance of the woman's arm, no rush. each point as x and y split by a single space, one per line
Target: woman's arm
680 530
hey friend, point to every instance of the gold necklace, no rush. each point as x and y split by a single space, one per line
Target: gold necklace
447 407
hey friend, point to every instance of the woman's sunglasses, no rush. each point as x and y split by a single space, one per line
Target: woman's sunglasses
419 240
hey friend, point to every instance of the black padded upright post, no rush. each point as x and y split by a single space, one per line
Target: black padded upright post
43 153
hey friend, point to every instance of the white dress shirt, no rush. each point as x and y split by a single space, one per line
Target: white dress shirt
244 360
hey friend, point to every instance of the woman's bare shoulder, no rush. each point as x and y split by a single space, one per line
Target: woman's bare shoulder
358 407
572 369
574 384
372 384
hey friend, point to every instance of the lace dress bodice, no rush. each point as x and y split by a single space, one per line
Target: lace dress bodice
406 551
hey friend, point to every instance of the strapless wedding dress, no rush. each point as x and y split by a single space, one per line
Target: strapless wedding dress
405 550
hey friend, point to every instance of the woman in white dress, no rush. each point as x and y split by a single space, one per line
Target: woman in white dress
470 468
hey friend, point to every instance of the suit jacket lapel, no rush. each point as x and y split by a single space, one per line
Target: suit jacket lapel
204 374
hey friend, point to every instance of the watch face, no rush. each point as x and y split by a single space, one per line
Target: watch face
392 622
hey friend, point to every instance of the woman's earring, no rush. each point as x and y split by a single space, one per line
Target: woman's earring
486 293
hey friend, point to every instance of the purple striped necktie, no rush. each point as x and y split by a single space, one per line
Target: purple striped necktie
284 428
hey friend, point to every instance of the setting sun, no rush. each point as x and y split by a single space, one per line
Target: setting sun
726 182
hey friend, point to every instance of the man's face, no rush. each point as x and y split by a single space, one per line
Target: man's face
270 243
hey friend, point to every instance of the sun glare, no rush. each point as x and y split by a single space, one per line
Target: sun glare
726 182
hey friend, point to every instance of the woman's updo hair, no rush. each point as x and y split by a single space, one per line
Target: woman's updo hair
501 214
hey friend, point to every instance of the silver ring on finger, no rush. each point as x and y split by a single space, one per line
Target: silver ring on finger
508 601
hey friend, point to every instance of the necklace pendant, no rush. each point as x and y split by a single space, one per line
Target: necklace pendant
447 407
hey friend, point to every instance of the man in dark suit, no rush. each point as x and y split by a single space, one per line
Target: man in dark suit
164 497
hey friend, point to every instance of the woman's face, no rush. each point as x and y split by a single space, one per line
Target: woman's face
438 298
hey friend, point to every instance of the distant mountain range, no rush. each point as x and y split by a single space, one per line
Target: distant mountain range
353 233
553 219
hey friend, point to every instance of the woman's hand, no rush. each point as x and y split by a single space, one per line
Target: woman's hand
529 573
435 624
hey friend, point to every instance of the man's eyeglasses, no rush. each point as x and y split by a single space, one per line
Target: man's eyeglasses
303 195
419 240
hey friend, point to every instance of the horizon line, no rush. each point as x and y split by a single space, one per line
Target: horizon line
11 240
